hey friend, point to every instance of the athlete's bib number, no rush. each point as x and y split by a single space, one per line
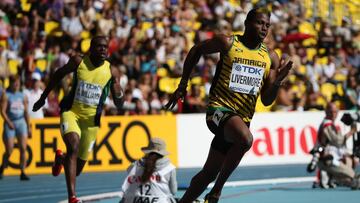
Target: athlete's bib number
145 195
88 93
145 189
246 79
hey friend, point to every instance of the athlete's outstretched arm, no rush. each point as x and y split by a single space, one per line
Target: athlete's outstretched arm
219 43
278 71
59 74
117 93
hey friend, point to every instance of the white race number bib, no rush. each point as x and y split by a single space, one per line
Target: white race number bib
88 93
246 79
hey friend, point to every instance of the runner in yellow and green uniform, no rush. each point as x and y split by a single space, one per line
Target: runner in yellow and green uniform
81 108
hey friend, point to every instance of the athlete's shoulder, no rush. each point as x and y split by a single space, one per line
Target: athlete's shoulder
223 37
108 62
76 59
224 41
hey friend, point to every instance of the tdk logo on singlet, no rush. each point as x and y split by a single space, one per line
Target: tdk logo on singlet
248 69
238 67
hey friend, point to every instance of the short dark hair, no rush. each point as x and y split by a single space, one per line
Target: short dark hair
252 13
13 78
94 39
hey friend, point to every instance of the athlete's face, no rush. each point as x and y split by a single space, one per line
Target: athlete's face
100 48
259 26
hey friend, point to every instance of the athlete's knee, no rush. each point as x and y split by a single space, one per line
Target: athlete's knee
72 149
244 140
247 141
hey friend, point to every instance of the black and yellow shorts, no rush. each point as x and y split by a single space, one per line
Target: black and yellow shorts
216 118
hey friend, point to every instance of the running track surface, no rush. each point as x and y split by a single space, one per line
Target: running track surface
48 189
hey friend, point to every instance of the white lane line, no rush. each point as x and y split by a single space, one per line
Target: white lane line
266 181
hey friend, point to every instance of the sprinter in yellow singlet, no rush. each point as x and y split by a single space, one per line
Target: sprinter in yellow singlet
81 108
247 68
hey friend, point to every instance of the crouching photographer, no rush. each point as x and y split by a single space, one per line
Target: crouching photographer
334 158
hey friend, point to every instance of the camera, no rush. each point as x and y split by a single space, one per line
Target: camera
349 119
316 151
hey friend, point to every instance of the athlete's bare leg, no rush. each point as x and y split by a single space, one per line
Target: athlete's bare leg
239 134
9 147
202 179
72 141
80 164
22 146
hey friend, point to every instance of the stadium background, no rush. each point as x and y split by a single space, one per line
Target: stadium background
148 42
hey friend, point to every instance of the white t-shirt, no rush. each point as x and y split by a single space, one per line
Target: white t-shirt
156 190
33 96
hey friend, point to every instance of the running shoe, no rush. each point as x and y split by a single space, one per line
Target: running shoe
211 199
57 166
74 199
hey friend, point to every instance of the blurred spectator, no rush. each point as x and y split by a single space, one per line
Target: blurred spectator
329 69
128 105
70 23
56 10
344 31
4 69
88 15
193 102
4 27
53 107
123 28
312 101
109 107
352 93
106 23
33 93
326 37
353 57
155 103
14 43
284 99
16 123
